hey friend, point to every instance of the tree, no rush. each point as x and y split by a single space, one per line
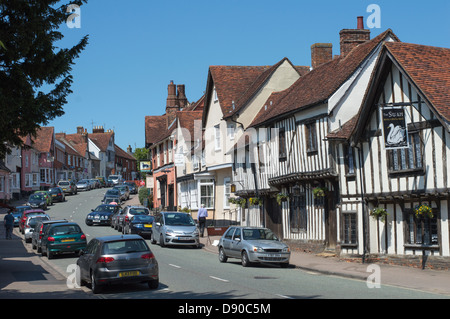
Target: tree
30 64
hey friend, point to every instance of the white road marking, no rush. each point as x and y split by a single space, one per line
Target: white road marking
174 266
283 296
220 279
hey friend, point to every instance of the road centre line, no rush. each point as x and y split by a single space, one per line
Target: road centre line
220 279
175 266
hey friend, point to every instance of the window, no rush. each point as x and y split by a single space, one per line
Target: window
311 137
226 192
207 192
407 160
421 231
349 160
349 231
217 137
216 98
2 183
231 128
282 144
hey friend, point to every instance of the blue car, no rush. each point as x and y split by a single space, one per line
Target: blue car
17 213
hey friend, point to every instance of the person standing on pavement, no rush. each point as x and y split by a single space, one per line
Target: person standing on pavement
9 224
201 217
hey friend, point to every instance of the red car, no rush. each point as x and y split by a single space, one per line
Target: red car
27 213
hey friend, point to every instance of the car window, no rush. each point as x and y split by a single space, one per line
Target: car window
237 234
179 220
124 246
105 209
229 233
64 183
143 218
138 211
33 221
65 230
255 234
92 247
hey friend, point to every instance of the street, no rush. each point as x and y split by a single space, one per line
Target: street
188 273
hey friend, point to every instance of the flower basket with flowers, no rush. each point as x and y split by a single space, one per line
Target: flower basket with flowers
238 201
379 213
255 201
320 192
424 210
282 197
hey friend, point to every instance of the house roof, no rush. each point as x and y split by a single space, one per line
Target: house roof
429 68
236 85
101 139
318 85
43 139
121 153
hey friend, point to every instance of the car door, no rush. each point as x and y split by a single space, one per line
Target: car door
226 241
87 258
236 244
157 227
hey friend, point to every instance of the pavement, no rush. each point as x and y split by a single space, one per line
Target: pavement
25 275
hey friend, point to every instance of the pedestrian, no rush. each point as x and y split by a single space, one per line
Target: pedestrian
9 224
201 217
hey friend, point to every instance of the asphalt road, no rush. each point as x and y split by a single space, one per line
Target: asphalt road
188 273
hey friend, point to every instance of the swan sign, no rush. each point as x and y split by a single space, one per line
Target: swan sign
394 128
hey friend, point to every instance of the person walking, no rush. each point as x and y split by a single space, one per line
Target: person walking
9 224
201 217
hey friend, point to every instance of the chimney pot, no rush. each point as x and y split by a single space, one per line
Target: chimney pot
351 38
360 23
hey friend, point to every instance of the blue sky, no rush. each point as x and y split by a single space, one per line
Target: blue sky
137 47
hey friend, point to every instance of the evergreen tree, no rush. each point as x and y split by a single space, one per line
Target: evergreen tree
30 62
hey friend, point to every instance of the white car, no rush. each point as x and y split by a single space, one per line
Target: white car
30 225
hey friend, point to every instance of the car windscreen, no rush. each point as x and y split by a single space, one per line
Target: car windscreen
37 197
65 230
257 234
105 208
138 211
179 220
33 221
112 192
64 183
124 246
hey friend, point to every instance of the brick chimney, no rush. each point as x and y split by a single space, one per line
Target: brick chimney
98 129
351 38
181 96
80 130
321 53
172 95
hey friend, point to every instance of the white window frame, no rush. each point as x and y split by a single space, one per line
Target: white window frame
217 141
226 192
206 183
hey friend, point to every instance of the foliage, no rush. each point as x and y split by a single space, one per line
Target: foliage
184 210
319 192
35 74
141 154
424 211
255 201
238 201
379 213
282 197
143 194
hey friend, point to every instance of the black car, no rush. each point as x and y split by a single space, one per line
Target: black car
101 215
139 224
37 200
57 194
132 187
114 192
109 200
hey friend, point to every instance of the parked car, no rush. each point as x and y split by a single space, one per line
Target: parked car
27 213
139 224
48 197
116 179
112 193
84 185
17 213
253 245
69 187
39 231
175 228
124 192
95 183
132 187
37 200
30 225
109 200
117 220
57 194
101 215
131 210
62 238
102 180
118 260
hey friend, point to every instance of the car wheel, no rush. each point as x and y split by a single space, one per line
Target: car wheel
222 256
161 241
153 284
94 286
244 259
49 254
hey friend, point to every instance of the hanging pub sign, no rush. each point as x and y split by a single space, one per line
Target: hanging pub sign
394 128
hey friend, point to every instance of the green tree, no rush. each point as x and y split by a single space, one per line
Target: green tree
30 63
141 154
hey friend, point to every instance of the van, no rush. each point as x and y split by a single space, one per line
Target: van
117 179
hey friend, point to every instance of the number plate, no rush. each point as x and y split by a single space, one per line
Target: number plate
129 273
67 240
184 238
148 225
274 255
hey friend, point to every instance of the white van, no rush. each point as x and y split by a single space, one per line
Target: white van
117 179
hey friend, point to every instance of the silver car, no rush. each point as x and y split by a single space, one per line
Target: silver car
117 259
84 185
30 225
175 228
253 245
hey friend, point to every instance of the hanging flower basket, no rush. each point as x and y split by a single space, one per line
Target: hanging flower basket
282 197
255 201
320 192
379 213
238 201
424 210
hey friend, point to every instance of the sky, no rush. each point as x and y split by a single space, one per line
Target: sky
137 47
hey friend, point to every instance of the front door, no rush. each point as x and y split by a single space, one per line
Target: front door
273 216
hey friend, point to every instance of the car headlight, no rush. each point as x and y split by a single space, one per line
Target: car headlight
90 216
286 250
169 232
257 249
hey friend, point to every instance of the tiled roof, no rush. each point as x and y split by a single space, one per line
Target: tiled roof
153 126
101 139
121 153
43 140
317 86
429 68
